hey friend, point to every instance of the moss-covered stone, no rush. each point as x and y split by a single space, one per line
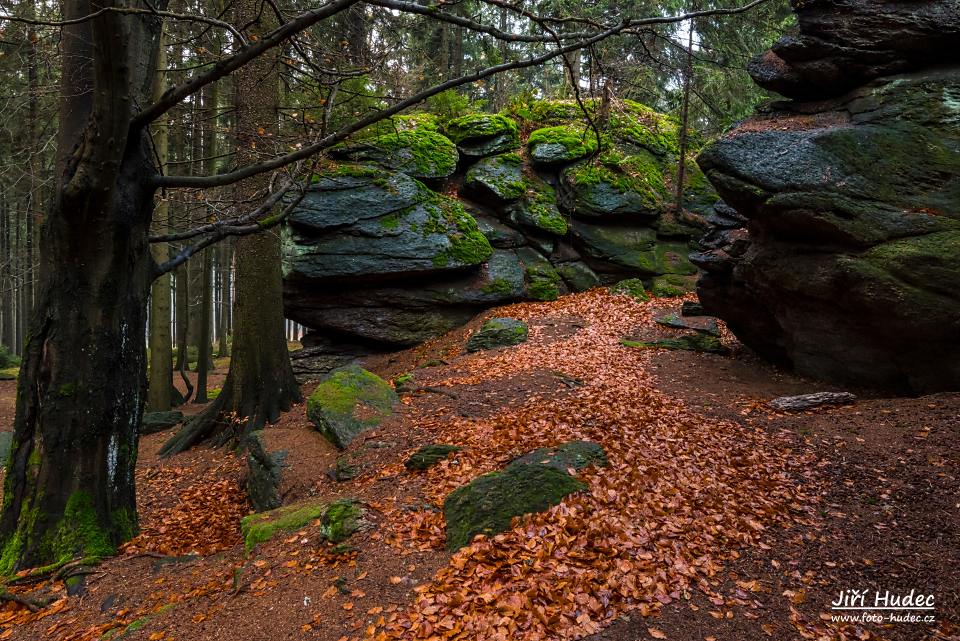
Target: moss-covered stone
484 134
337 521
673 285
574 455
637 124
428 456
561 144
498 332
496 180
153 422
578 276
543 282
632 287
617 184
417 152
693 343
488 503
468 246
349 401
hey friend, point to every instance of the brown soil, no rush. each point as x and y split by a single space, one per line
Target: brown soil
882 473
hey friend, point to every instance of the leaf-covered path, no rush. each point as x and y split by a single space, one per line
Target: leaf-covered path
716 518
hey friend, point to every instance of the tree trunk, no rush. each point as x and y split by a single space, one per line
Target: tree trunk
260 384
225 298
159 396
81 390
684 121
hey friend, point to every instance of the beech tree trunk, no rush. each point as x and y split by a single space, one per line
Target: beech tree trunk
70 485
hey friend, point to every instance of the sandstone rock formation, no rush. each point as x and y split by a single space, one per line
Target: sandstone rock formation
848 266
419 225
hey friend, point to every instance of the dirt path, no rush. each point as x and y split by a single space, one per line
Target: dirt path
716 518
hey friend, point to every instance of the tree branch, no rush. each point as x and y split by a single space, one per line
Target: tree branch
172 96
338 136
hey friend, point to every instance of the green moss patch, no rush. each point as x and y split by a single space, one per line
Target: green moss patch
632 287
468 246
543 282
349 401
428 456
488 503
416 152
337 521
475 126
498 332
561 144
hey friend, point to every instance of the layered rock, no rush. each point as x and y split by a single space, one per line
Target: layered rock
848 266
421 224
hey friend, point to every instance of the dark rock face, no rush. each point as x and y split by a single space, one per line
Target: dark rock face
849 265
374 257
842 44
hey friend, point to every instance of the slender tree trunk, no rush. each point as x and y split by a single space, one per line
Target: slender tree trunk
210 150
225 298
684 121
81 390
159 396
260 384
6 282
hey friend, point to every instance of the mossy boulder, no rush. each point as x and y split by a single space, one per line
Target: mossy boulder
350 400
337 521
632 123
498 332
561 144
633 249
632 287
496 180
433 235
488 503
428 456
578 276
417 152
617 185
346 193
575 455
537 210
484 134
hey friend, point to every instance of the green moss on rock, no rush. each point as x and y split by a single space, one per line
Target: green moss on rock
474 126
561 144
488 503
428 456
349 401
632 287
672 285
338 521
543 282
417 152
498 332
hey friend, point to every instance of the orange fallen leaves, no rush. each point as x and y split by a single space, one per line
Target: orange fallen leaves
681 494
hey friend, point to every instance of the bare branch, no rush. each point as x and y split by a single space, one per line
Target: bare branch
128 11
172 96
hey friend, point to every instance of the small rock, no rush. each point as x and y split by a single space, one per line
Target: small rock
349 401
154 422
428 456
691 343
498 332
811 401
575 454
702 324
689 308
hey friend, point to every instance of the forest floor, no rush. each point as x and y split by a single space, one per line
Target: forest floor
717 518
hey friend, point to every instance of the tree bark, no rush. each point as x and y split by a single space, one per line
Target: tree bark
225 298
159 396
81 390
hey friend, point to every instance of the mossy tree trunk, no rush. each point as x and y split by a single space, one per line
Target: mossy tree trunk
70 482
260 385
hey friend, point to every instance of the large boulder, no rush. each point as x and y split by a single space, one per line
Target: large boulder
843 44
530 483
350 400
402 237
849 265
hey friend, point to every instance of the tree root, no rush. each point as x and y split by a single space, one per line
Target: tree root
57 572
30 604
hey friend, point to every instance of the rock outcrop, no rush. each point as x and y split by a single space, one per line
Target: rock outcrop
848 266
419 225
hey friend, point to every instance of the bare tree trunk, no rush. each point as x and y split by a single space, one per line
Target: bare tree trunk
159 394
684 121
225 298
